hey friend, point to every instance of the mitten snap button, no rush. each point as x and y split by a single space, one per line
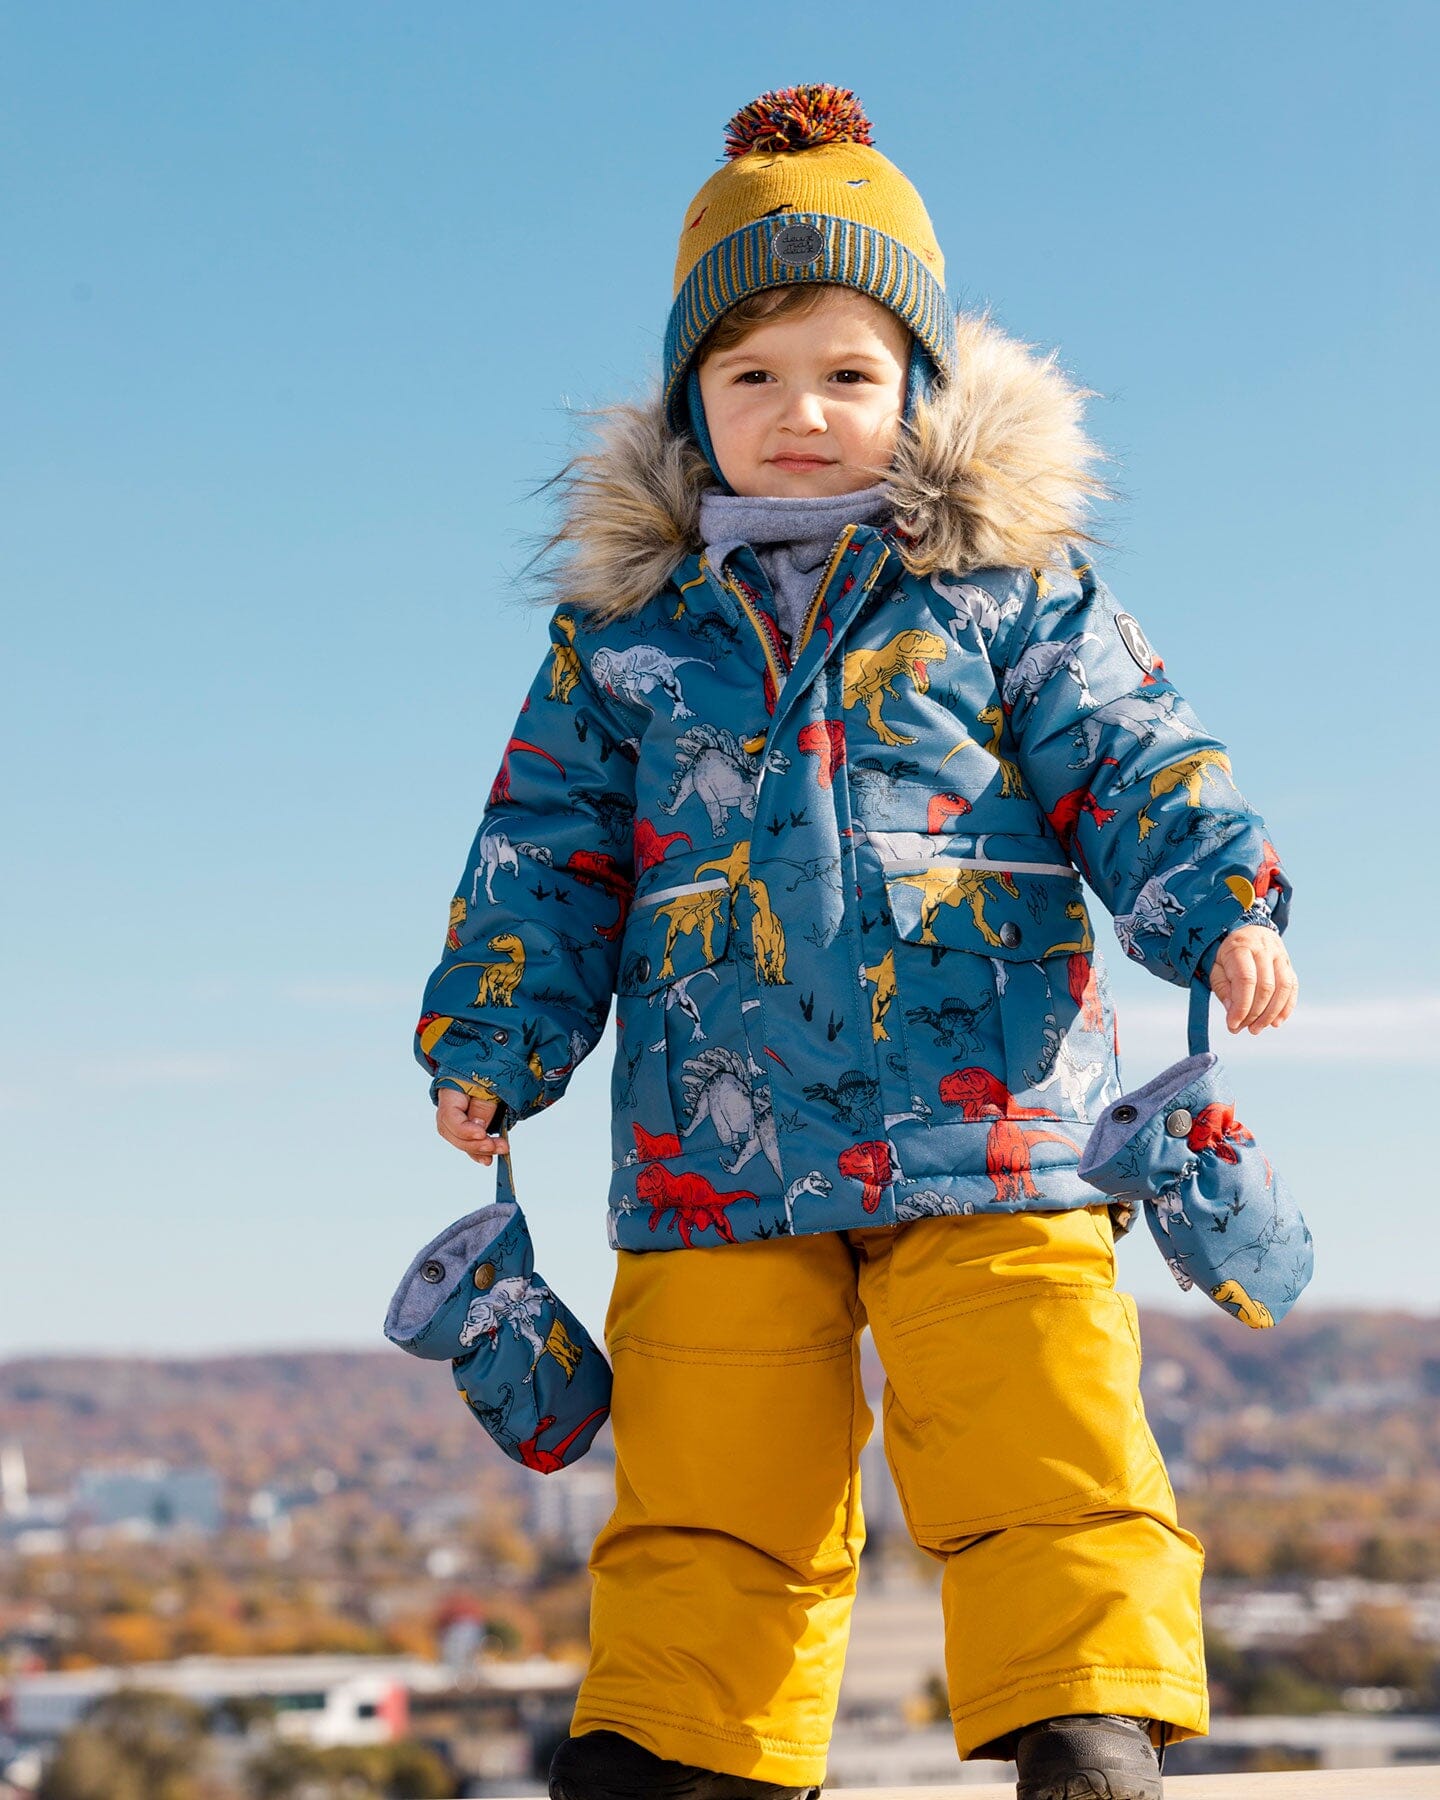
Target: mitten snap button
432 1272
1122 1115
1009 934
485 1277
1179 1122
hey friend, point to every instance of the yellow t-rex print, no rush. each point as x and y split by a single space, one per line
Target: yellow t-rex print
1189 773
565 661
869 674
457 919
686 913
1247 1311
950 887
881 976
1012 785
499 980
1075 909
767 931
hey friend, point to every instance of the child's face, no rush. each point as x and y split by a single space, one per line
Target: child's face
809 404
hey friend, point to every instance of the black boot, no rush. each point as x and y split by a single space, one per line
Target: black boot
1086 1756
603 1765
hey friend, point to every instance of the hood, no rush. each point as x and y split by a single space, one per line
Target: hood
993 471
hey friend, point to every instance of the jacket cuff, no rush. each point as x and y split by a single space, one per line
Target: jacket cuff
1190 948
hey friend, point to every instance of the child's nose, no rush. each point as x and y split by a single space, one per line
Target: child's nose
803 412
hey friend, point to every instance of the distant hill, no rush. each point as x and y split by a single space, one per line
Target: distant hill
1347 1395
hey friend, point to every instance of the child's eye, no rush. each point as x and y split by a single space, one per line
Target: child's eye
851 377
751 377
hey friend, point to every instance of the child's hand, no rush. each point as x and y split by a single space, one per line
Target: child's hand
464 1122
1253 979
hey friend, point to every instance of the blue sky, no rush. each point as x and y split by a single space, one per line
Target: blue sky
297 306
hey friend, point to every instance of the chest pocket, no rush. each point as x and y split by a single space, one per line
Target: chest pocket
998 997
675 989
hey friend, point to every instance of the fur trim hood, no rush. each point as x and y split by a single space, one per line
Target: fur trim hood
993 472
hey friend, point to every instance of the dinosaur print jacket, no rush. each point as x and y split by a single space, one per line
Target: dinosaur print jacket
838 889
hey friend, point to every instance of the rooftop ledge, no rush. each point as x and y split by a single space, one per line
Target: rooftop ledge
1296 1784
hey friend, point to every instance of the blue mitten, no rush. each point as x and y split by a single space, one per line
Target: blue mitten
524 1364
1223 1217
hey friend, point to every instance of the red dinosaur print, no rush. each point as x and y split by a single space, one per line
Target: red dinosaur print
1065 816
869 1164
982 1095
695 1202
942 807
1268 870
1157 669
597 868
1216 1128
548 1461
654 1146
651 845
824 738
1085 990
1007 1158
430 1030
500 787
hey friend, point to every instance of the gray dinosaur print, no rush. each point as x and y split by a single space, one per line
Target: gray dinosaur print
1142 718
1155 911
635 673
1040 662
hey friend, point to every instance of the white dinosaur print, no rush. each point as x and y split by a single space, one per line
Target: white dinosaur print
1143 719
1181 1273
927 1203
712 764
1040 662
497 853
966 598
1170 1205
516 1301
1075 1078
719 1086
813 1183
1155 911
677 993
635 673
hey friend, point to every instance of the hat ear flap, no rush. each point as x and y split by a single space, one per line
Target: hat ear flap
700 429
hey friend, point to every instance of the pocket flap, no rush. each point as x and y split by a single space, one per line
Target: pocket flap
673 932
989 909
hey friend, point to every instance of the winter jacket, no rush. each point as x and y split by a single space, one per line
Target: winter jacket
837 888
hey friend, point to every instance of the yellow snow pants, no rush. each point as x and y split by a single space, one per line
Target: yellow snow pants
723 1581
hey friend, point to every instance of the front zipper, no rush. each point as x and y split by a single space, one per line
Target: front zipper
778 665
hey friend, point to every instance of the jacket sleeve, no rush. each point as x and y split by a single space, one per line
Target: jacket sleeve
523 989
1140 794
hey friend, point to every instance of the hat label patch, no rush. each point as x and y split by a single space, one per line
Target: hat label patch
1135 641
797 245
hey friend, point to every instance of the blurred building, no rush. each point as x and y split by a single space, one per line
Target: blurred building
149 1499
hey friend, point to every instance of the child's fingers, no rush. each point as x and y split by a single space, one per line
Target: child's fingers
1282 1000
1239 992
463 1122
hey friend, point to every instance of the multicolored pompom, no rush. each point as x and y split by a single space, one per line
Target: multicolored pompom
798 118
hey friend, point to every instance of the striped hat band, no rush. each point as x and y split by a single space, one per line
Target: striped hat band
792 248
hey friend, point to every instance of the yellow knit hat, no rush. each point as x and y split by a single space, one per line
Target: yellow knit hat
804 197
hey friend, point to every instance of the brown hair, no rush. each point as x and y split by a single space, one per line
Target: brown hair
734 326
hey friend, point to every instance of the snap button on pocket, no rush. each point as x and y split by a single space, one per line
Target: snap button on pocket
1179 1122
1009 934
432 1272
485 1277
1122 1115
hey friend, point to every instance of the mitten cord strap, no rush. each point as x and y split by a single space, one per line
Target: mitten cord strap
1199 1023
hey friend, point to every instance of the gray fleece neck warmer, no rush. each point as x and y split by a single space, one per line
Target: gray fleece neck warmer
791 537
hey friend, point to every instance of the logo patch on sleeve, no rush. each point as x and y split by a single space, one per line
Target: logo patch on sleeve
1135 641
